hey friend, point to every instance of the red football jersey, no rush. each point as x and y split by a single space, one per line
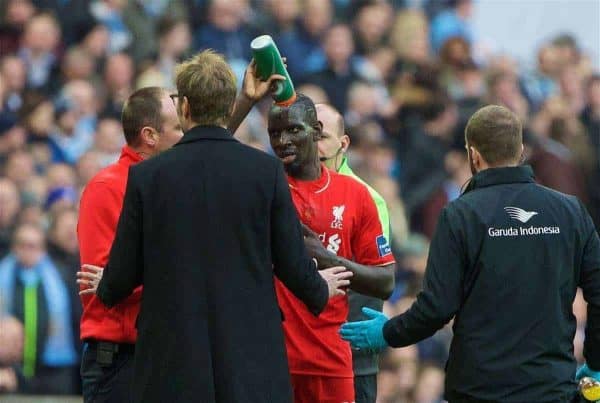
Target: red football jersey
341 211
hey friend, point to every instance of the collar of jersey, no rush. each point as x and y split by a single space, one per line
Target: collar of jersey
315 186
501 176
129 155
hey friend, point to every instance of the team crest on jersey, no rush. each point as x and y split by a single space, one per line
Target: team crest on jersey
383 246
338 217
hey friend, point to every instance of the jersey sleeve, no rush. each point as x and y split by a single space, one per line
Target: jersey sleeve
369 243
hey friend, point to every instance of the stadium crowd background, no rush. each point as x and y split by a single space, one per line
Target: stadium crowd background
405 78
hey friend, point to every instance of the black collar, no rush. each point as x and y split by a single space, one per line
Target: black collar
198 133
500 176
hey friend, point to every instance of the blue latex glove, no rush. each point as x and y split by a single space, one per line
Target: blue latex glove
584 371
366 334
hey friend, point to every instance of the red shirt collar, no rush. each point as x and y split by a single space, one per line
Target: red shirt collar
129 156
317 186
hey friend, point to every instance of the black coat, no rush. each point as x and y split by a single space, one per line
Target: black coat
505 261
204 227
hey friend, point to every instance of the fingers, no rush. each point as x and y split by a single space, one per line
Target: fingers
92 268
348 334
354 326
339 292
87 291
370 313
86 275
344 275
340 272
276 77
272 82
88 283
251 69
357 340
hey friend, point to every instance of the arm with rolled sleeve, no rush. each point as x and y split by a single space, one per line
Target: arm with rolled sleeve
442 290
291 263
123 273
589 281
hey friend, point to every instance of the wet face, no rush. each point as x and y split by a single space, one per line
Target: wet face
294 133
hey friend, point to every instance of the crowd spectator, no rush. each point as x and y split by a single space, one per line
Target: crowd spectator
34 292
406 75
340 71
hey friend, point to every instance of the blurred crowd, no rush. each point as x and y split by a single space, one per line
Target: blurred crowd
405 74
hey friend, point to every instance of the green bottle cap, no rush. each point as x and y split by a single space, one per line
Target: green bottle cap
268 62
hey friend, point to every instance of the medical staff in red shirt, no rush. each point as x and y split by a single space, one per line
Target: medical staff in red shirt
151 125
342 226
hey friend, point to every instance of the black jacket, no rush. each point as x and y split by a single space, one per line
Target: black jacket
204 227
505 262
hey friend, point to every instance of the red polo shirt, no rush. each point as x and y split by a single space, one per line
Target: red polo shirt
99 213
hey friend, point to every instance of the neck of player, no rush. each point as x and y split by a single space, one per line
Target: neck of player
309 171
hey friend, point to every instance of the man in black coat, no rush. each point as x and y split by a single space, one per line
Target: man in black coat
204 227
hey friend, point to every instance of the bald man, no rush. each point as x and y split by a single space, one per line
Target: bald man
332 151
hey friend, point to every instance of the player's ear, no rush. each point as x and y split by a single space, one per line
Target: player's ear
475 156
185 107
522 154
149 136
345 140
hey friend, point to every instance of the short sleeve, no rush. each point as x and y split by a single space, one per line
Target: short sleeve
369 243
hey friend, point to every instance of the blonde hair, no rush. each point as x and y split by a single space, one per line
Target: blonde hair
209 84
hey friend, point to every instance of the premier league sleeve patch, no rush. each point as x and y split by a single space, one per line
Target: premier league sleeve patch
383 246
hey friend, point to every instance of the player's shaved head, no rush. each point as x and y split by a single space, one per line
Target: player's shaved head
332 120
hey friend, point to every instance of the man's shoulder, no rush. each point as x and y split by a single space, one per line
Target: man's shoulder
377 198
349 183
347 180
112 175
237 156
259 155
474 205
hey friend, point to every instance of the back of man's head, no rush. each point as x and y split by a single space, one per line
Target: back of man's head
497 134
142 108
331 119
209 85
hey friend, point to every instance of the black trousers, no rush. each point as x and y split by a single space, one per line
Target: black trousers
365 388
103 382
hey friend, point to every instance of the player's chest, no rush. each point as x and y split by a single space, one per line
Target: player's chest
331 217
